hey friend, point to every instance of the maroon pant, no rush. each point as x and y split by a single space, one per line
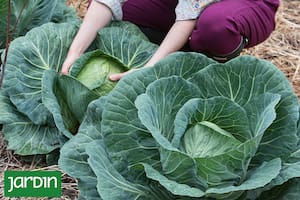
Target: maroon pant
220 27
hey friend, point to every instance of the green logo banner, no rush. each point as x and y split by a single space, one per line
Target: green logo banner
32 184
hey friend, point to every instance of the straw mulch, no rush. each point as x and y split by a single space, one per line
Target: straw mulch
79 5
282 48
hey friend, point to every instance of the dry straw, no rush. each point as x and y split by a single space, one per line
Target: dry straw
282 48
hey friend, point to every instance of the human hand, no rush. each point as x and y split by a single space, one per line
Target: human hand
116 77
69 61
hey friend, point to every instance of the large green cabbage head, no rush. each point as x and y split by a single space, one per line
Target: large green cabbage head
190 128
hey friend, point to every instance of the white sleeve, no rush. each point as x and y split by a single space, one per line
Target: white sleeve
115 6
191 9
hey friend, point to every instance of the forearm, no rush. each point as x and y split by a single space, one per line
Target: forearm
174 40
97 16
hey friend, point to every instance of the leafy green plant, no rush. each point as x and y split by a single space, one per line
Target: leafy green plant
190 128
27 14
41 109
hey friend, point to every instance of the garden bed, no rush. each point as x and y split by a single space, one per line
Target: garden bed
282 49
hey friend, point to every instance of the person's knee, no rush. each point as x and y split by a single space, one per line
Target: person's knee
215 36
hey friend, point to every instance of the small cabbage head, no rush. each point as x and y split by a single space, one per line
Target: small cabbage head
93 70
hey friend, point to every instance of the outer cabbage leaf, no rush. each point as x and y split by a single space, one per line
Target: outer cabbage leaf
129 48
25 137
258 178
73 157
288 191
172 186
241 79
290 170
29 57
280 138
67 99
112 185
